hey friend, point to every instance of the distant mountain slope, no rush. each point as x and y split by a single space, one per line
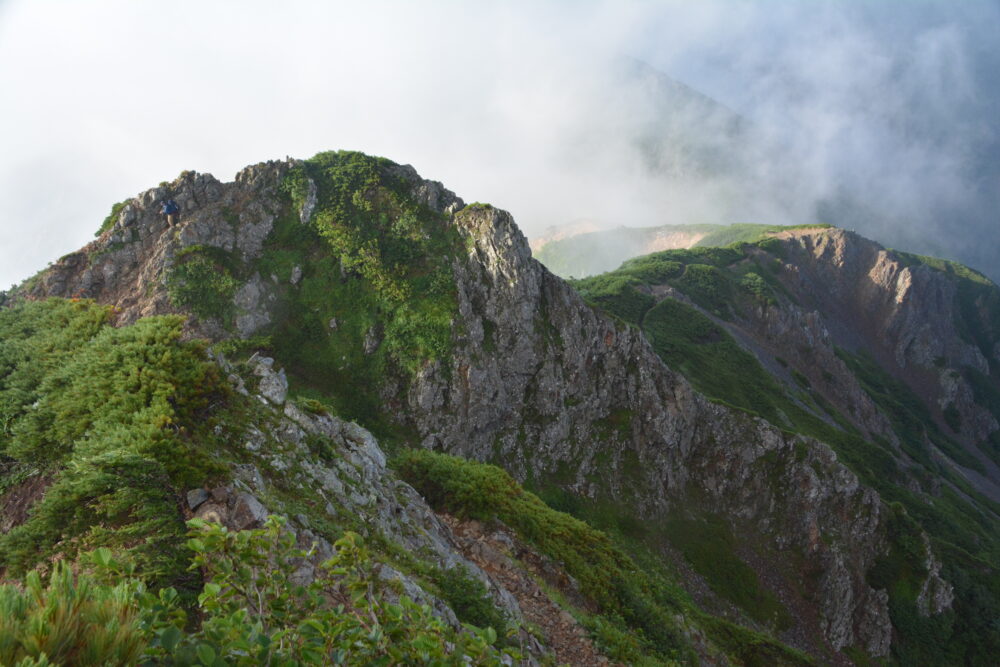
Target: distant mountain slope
559 232
587 253
796 431
891 358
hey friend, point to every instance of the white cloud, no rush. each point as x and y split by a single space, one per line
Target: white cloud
516 103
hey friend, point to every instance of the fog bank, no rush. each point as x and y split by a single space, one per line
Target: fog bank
876 116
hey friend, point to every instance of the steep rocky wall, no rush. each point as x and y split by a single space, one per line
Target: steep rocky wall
544 384
127 265
863 297
906 313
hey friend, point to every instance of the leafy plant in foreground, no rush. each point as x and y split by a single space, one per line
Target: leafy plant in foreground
253 610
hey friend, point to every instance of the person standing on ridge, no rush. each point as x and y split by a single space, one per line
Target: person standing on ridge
170 209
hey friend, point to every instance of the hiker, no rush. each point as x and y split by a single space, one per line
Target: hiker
170 209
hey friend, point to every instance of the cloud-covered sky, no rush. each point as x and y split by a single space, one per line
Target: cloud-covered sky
887 109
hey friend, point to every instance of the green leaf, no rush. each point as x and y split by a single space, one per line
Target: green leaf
206 654
103 557
169 638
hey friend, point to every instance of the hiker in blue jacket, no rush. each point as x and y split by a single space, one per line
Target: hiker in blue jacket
170 209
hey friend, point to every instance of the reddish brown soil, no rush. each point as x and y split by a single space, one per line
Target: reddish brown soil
18 500
518 568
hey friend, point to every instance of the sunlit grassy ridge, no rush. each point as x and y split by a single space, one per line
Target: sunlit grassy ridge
596 252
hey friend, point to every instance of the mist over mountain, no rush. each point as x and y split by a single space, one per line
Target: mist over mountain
712 165
873 116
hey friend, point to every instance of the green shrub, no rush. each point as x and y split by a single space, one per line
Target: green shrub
755 285
118 499
112 217
254 613
469 598
203 285
250 612
112 415
72 620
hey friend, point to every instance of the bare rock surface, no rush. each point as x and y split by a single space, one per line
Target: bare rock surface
563 373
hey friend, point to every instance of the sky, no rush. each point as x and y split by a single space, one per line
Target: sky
874 115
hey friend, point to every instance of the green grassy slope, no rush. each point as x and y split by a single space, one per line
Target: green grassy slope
98 411
630 596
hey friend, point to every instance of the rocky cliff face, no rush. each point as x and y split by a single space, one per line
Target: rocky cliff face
350 485
128 265
905 313
569 393
564 396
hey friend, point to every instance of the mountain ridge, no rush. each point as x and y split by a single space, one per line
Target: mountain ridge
483 352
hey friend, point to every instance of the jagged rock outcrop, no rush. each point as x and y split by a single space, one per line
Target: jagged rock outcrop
903 314
910 310
562 374
351 484
936 595
128 265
